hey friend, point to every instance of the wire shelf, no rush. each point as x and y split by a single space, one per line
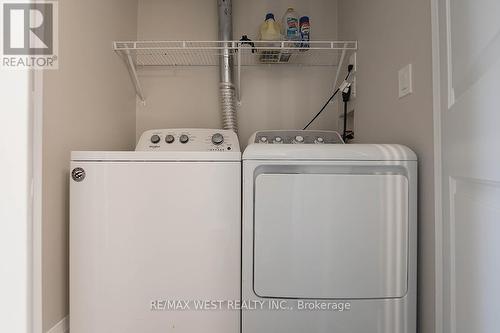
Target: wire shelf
140 54
191 53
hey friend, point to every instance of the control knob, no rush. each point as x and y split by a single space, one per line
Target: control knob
263 139
169 139
299 139
319 140
278 140
155 139
184 139
217 139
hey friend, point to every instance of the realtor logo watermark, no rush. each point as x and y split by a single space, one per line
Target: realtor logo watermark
249 305
30 34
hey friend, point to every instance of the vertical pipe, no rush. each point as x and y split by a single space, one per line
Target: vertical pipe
227 90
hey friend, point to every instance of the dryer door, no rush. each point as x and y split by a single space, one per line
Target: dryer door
331 236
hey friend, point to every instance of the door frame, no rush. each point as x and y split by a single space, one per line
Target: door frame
438 180
35 250
35 279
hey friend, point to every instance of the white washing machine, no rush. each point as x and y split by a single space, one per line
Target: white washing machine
153 229
329 235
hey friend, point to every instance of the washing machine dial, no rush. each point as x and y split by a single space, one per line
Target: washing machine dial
169 139
319 141
184 139
217 139
278 140
155 139
263 139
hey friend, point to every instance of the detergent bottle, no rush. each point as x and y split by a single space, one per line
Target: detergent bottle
290 25
270 32
270 29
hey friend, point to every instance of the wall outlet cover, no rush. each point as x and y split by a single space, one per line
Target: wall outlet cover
406 81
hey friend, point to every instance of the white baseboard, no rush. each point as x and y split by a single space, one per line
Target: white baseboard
61 327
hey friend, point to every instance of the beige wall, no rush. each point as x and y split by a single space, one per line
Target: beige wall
392 34
89 104
273 97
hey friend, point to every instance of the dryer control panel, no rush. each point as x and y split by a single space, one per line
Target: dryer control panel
296 137
189 140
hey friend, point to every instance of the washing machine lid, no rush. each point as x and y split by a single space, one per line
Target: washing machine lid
329 152
147 156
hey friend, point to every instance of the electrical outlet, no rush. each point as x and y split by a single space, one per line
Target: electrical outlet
406 81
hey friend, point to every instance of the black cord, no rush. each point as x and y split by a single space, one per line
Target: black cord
322 109
349 70
346 96
344 134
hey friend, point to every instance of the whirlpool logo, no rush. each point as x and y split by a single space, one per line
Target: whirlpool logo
30 34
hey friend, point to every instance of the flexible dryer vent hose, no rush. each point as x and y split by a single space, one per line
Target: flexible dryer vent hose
227 90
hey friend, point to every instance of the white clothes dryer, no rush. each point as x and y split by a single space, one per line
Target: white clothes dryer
329 235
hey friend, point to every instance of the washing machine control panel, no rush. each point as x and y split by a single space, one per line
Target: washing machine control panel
189 140
297 137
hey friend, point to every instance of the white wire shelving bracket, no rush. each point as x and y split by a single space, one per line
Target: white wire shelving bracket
142 54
